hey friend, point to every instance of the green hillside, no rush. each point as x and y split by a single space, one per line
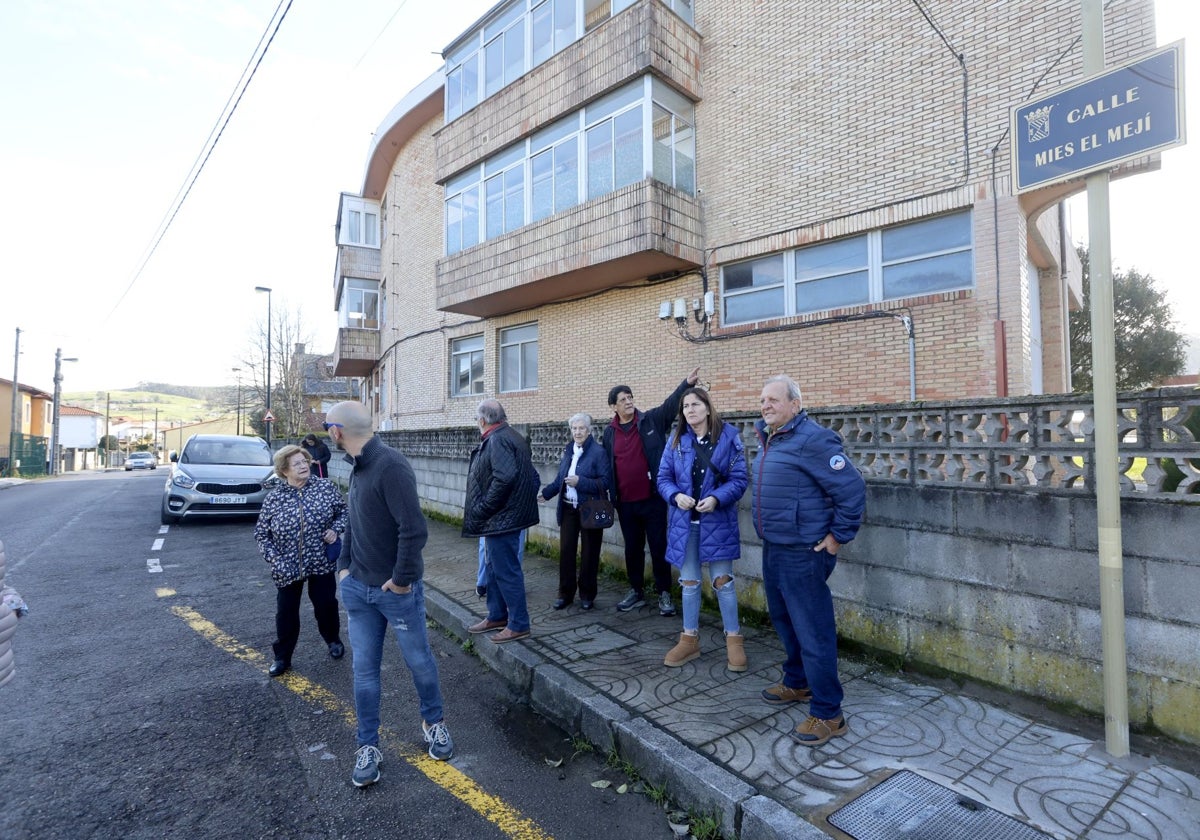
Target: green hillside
173 406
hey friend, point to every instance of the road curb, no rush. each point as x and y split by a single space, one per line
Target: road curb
693 779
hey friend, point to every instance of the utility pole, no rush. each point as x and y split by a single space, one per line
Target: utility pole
16 401
107 423
54 444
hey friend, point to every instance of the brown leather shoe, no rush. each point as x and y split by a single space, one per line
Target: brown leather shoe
486 626
507 635
814 731
779 695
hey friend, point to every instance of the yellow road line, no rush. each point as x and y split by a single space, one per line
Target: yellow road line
442 773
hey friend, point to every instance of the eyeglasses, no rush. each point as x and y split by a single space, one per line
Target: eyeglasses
329 426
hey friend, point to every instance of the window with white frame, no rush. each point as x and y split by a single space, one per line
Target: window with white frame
466 366
360 304
909 260
519 358
641 130
498 52
360 222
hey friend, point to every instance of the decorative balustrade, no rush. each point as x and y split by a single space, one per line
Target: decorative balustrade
1022 443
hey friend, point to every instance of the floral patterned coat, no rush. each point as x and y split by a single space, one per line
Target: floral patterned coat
291 527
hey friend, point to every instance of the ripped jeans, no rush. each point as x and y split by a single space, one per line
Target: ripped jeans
369 611
726 595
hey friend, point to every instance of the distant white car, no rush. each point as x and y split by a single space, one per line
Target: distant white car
141 461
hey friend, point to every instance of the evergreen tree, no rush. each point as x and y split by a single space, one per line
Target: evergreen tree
1148 347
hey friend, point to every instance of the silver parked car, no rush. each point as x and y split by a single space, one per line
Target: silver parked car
217 475
141 461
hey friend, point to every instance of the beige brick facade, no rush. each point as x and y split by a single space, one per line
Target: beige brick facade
813 121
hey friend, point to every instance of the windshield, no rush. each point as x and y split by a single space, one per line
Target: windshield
246 453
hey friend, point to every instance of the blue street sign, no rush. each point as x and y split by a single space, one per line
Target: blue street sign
1119 115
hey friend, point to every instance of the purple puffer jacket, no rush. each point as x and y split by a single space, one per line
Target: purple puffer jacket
719 536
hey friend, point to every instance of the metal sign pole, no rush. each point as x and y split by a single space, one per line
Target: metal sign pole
1108 497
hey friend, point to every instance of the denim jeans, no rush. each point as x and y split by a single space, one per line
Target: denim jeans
726 595
481 577
801 608
506 581
369 611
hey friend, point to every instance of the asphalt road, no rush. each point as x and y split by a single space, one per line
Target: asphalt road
141 706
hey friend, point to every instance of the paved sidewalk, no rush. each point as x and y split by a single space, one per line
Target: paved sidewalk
706 734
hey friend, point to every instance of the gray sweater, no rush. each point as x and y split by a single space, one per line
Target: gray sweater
386 529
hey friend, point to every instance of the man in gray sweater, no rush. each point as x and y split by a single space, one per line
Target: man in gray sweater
380 571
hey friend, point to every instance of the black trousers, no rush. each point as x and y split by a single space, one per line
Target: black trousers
322 591
645 523
570 535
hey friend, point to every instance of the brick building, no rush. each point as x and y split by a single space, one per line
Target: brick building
603 191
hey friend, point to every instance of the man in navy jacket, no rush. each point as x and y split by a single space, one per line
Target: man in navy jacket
808 502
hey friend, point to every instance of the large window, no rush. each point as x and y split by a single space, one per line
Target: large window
495 54
919 258
518 358
641 130
360 304
466 366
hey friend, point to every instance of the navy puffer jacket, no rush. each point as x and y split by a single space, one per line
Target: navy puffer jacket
595 480
805 486
719 536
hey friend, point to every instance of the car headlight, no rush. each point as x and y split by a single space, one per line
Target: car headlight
182 479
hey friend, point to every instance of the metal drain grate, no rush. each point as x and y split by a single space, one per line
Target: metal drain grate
907 806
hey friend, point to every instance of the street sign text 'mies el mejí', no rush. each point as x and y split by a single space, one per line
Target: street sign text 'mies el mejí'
1116 116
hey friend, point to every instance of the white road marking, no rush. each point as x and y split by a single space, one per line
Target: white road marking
162 529
152 566
158 544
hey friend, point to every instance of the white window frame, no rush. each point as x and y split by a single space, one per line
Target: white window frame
458 351
357 291
875 267
360 222
638 98
469 54
527 380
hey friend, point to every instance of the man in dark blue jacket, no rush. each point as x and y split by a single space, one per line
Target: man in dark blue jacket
634 441
808 502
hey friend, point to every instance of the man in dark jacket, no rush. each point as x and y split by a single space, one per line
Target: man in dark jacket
635 441
380 571
502 488
808 502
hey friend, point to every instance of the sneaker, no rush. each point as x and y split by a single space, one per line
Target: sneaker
632 601
366 766
779 695
815 731
665 607
437 736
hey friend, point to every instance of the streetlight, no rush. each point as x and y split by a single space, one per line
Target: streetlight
58 360
268 423
238 371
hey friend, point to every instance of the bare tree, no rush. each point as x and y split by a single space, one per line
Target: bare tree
287 373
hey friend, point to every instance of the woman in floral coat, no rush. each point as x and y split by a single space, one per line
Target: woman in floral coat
298 530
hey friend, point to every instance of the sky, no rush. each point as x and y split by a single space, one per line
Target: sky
115 101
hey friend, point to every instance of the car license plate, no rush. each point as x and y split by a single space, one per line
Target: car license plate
227 500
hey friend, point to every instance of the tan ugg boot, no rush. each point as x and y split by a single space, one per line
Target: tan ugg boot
687 650
735 651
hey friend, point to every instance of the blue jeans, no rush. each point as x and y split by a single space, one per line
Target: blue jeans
506 581
726 595
801 608
369 611
481 577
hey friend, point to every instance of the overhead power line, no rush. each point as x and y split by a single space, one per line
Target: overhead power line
210 143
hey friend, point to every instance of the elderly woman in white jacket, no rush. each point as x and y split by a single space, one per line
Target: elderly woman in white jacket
11 608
